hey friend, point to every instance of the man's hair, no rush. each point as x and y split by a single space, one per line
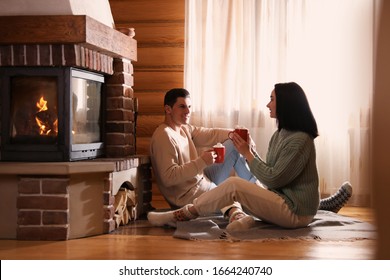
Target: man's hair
293 110
172 95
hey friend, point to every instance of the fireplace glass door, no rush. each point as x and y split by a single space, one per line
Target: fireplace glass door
33 110
86 112
50 114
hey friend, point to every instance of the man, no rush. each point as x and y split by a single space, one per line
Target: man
182 173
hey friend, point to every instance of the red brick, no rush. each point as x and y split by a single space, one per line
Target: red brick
98 62
56 54
120 151
82 56
29 233
5 55
123 65
92 58
55 233
44 55
109 212
32 55
89 59
29 186
103 63
119 139
55 217
86 57
109 226
72 55
120 102
119 78
119 115
108 184
42 233
119 90
108 198
19 55
29 217
120 127
55 186
107 62
42 202
110 68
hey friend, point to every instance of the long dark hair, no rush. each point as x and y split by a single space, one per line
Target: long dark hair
293 110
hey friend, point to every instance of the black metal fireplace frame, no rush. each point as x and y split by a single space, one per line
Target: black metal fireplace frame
63 150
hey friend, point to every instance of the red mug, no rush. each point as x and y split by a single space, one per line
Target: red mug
243 132
219 149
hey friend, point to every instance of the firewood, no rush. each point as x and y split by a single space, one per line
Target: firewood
125 206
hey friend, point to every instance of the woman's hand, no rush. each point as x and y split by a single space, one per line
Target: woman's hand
242 146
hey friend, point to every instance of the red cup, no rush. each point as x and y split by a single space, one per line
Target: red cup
220 151
243 132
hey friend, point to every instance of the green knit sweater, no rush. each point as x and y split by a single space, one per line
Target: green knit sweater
290 170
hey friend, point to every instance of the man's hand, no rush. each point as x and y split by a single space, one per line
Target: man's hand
209 156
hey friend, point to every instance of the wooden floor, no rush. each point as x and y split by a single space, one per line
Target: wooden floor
148 243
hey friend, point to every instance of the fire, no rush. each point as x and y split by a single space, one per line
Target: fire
41 105
43 118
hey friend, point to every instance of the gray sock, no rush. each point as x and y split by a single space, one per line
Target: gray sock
335 202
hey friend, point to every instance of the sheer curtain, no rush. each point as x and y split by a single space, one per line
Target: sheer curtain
236 50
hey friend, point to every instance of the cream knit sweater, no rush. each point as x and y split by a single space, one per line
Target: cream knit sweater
177 167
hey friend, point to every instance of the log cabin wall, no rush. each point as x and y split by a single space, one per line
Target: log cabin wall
159 31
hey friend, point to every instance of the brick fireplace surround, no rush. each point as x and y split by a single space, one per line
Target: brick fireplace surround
66 200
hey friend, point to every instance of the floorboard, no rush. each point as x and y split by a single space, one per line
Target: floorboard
148 243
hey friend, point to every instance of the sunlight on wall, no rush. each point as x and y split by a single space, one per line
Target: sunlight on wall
237 50
338 78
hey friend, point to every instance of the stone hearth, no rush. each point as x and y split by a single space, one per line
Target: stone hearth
67 200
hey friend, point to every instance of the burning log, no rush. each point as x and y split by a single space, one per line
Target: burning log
46 119
47 122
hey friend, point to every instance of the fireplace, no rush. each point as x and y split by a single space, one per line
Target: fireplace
51 114
66 91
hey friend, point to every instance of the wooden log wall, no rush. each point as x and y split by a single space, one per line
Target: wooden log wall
159 31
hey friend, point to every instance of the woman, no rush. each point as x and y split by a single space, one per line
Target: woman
288 195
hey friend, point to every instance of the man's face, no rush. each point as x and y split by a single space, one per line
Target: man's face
181 111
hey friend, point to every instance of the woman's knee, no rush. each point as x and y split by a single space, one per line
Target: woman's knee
232 184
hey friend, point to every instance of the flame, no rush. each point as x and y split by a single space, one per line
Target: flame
41 105
45 128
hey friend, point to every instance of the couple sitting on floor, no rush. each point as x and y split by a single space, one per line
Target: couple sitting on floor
283 189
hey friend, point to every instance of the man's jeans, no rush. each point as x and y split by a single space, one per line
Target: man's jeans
219 172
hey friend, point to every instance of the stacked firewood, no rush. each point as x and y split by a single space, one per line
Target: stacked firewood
125 207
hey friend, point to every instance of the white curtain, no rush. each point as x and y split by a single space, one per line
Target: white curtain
236 50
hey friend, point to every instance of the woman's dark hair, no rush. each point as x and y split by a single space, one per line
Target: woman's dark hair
172 95
293 110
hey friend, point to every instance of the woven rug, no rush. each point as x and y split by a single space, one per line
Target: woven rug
327 226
